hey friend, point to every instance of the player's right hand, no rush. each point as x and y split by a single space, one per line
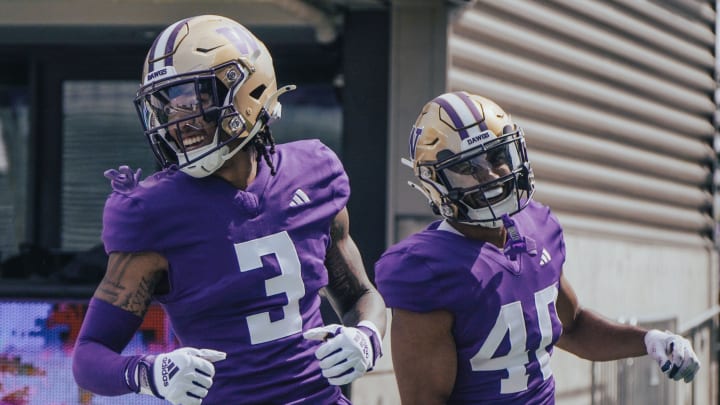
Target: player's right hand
673 353
182 377
124 179
346 352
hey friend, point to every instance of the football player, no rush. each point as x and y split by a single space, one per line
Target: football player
236 238
479 298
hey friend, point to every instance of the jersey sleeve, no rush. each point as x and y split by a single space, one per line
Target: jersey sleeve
144 218
125 225
332 175
407 282
558 236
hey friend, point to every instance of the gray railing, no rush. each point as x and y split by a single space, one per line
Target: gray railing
639 381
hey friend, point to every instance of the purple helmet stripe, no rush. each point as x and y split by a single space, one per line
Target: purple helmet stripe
249 38
479 117
170 45
414 135
151 54
164 45
454 116
243 41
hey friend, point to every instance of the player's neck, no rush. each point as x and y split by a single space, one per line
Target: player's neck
240 170
496 236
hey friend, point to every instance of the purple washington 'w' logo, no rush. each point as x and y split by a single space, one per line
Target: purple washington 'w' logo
240 38
414 135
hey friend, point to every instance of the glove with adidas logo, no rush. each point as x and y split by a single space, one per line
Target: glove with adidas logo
181 377
347 353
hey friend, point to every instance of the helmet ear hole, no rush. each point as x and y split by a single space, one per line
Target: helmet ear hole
258 91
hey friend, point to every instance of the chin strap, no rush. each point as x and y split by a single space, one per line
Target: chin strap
516 243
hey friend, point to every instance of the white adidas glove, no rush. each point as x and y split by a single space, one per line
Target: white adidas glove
181 377
347 353
673 353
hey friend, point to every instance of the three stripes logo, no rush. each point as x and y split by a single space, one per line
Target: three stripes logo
168 371
299 198
545 257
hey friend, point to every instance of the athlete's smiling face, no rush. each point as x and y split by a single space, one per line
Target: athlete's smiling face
187 111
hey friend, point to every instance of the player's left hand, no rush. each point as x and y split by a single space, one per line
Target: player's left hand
673 353
347 352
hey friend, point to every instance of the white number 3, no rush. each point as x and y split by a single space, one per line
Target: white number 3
511 320
249 254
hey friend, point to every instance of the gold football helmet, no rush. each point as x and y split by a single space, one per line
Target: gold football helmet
470 159
207 82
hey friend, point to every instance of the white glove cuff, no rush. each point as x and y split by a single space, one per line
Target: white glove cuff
651 336
375 341
144 377
370 325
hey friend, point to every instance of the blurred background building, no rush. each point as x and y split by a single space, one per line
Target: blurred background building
616 99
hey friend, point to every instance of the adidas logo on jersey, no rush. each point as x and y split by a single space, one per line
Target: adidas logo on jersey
545 257
299 198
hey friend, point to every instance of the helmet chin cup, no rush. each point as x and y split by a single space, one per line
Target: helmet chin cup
486 215
491 224
206 165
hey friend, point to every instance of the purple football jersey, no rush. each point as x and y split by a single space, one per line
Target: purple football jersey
505 322
245 267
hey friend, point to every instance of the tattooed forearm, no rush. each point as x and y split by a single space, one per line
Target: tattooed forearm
117 266
349 289
342 281
343 261
130 281
338 230
139 301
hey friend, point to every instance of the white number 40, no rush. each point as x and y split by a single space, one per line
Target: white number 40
511 320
